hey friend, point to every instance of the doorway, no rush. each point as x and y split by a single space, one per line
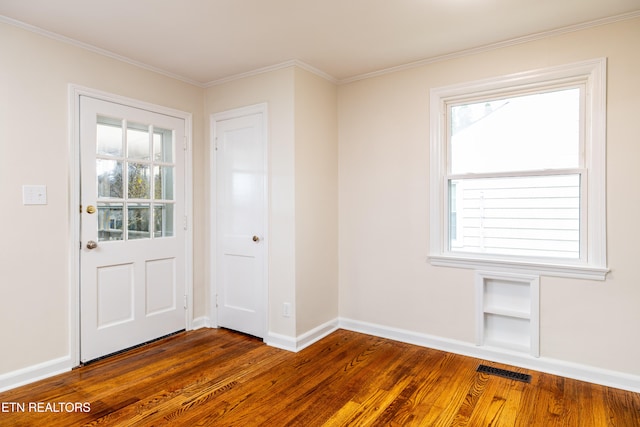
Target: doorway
134 273
240 242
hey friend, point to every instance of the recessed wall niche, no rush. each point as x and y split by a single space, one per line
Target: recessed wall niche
507 311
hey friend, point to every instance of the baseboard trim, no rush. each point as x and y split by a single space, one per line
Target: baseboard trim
543 364
35 373
316 334
283 342
576 371
295 344
200 322
53 367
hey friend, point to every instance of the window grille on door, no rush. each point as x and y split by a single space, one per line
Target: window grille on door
135 179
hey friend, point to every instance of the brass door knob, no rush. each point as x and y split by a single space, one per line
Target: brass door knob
256 239
91 209
91 244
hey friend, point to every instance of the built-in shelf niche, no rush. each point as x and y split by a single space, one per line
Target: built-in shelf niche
507 311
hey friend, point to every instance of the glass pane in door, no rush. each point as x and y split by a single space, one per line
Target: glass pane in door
163 181
109 177
139 185
138 141
110 222
138 221
109 137
163 220
163 145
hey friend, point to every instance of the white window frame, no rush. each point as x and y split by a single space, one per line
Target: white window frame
593 261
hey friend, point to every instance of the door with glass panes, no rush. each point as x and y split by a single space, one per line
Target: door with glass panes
132 254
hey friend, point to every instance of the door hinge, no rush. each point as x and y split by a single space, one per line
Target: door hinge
186 144
216 143
217 300
185 302
185 223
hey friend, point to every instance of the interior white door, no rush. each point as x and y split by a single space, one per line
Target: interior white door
132 256
240 223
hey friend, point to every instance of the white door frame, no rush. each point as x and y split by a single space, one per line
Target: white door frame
75 92
261 108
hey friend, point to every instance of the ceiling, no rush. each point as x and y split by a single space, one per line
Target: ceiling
205 41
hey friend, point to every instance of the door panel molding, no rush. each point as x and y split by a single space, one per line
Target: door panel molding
75 92
262 109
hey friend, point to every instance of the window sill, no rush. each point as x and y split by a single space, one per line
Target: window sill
538 268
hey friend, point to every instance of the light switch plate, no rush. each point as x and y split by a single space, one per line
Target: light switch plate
34 194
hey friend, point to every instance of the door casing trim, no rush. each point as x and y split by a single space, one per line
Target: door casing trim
75 92
261 108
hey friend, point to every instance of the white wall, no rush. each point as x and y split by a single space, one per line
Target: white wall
385 278
35 72
316 199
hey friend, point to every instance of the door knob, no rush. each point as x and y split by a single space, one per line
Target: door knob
256 239
91 209
91 244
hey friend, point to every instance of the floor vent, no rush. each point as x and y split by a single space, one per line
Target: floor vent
504 373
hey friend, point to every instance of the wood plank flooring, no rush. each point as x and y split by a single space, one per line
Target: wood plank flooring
212 377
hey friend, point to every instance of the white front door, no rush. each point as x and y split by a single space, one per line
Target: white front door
132 254
240 222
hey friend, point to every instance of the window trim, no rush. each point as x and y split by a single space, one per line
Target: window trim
590 73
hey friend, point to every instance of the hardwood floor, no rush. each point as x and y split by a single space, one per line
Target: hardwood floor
215 377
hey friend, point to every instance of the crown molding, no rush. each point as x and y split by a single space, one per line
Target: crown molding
316 71
95 49
275 67
139 64
494 46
